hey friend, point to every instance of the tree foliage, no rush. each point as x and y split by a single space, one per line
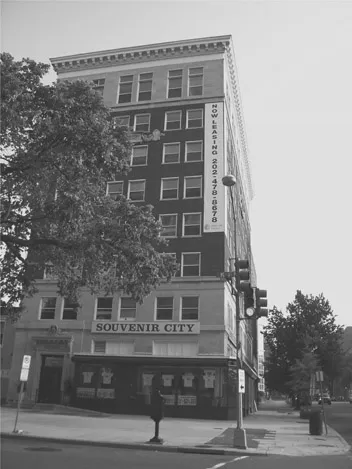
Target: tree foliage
59 148
308 327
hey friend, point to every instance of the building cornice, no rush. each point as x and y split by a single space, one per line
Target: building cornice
151 52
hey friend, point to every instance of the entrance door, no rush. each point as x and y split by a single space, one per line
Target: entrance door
50 379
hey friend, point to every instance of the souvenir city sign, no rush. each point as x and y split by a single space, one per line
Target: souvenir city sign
124 327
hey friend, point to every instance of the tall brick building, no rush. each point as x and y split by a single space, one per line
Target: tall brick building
182 104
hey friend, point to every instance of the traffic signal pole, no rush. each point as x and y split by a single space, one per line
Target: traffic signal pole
240 437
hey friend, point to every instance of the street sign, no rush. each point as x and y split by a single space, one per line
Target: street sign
26 363
24 374
319 376
241 381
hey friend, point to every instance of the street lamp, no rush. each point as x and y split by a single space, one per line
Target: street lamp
240 437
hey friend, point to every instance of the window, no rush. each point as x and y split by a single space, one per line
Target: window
164 308
123 121
115 188
139 155
125 89
175 84
113 348
47 308
169 225
169 188
98 85
141 123
193 187
104 309
195 81
49 272
145 86
70 310
191 224
171 153
99 346
194 118
2 331
173 120
190 264
136 190
175 349
128 308
194 151
190 308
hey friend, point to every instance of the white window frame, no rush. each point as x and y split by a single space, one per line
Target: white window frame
93 352
119 89
99 85
165 121
145 80
199 265
129 189
119 310
156 308
181 307
184 224
162 185
189 81
179 152
63 309
41 307
96 308
146 156
135 122
114 193
201 151
168 83
187 118
169 215
184 187
116 118
181 342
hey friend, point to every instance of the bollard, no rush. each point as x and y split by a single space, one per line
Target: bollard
157 414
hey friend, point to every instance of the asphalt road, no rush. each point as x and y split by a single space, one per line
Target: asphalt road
339 417
37 455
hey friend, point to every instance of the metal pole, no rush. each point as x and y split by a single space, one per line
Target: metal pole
238 322
18 406
322 406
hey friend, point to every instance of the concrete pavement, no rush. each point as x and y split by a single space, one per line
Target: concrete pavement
269 431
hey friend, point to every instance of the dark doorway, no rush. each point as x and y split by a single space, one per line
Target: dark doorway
50 379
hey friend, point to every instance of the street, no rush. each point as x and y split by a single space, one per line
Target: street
339 417
38 455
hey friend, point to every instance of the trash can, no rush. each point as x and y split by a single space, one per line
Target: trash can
316 423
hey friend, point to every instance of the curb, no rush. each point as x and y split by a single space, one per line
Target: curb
137 446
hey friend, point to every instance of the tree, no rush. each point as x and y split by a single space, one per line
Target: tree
59 148
308 327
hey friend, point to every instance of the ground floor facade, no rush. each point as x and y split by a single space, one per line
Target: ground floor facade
99 360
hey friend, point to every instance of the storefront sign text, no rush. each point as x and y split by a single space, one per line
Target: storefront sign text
146 327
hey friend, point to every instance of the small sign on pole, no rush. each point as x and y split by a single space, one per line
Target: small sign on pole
319 376
26 363
241 381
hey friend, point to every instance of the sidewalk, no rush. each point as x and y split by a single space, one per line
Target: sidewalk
278 431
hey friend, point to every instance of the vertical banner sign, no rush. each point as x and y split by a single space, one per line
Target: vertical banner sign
214 166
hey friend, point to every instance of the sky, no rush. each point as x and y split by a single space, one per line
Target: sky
294 59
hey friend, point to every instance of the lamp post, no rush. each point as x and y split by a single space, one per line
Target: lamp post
240 438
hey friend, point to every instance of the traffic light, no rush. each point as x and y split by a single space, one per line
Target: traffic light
249 303
242 275
261 303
